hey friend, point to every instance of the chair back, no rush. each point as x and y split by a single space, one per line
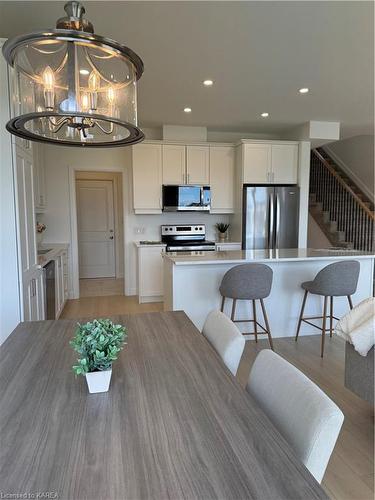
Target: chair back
337 279
305 416
226 339
247 281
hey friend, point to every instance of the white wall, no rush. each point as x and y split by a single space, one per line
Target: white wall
9 289
356 156
58 159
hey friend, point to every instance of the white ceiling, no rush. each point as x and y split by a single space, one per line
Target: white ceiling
258 54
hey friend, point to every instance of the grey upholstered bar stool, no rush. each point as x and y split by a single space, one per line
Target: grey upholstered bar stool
339 279
250 282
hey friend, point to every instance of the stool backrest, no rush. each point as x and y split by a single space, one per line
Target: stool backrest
338 279
226 339
247 281
305 416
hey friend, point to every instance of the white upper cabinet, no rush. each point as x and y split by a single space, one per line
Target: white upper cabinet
174 164
147 178
39 178
284 163
270 163
198 165
256 163
222 164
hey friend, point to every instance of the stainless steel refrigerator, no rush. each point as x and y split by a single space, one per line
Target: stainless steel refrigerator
270 217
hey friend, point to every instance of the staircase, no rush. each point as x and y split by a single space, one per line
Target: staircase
344 214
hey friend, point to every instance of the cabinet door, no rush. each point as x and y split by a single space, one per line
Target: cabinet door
222 179
198 165
284 163
147 178
174 164
257 164
40 296
25 210
227 246
150 273
58 288
39 177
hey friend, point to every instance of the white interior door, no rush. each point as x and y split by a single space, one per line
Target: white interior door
95 221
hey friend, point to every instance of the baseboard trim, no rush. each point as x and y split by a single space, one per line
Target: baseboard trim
360 184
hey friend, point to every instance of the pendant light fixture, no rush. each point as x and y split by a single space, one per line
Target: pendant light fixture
72 87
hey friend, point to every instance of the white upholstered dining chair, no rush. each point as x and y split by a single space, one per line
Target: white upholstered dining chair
305 416
226 339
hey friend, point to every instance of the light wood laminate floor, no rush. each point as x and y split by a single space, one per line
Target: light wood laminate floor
350 472
95 287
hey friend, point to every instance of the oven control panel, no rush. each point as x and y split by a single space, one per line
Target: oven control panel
183 230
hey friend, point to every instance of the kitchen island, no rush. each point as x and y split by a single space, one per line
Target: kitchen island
192 280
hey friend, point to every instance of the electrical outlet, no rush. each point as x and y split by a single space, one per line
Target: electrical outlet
139 230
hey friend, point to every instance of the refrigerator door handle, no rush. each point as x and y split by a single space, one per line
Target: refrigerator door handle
270 221
277 226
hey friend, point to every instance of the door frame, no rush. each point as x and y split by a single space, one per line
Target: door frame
74 266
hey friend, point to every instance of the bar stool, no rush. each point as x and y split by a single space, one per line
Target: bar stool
248 282
339 279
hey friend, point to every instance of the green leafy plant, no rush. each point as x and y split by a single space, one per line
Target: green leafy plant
222 227
98 343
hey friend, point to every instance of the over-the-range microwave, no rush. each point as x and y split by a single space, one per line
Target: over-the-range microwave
186 198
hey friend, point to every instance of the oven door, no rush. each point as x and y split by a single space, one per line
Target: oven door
186 198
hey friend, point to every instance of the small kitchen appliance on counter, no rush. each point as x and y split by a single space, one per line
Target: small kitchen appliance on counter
186 238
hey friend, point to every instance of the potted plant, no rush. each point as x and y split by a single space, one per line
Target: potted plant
98 343
222 229
40 228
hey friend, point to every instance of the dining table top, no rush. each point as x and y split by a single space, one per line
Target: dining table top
175 423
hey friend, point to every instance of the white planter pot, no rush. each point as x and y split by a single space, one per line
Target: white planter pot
98 381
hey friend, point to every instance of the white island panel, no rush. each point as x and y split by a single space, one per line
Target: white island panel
192 284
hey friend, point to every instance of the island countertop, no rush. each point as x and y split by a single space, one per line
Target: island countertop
242 256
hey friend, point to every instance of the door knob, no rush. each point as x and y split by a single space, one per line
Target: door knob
111 237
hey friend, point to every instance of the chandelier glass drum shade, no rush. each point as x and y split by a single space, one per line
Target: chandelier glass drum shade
72 87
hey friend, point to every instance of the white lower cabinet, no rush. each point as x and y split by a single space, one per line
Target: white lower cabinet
61 281
223 247
150 273
34 297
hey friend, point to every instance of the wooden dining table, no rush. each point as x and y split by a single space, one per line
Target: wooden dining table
175 423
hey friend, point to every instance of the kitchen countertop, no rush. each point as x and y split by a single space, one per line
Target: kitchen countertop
141 244
56 248
242 256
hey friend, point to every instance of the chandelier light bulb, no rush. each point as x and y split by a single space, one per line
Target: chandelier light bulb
111 96
85 104
48 78
94 82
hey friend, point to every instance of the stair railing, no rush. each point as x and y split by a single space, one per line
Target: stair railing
345 207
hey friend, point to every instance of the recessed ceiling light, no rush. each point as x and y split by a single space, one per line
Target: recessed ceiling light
304 90
187 110
264 115
84 71
208 83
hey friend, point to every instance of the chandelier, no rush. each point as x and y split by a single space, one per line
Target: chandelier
72 87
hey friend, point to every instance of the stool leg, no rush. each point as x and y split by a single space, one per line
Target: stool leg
267 325
331 317
255 321
324 325
233 309
301 315
222 304
350 302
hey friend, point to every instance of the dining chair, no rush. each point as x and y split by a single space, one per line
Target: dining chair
225 338
304 415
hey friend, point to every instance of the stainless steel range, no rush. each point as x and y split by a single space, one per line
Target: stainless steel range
186 238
